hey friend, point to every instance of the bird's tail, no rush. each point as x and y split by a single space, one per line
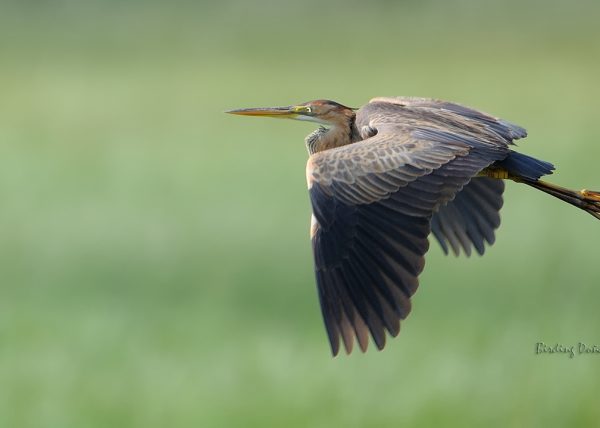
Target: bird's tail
587 200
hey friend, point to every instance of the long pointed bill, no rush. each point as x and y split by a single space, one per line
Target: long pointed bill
279 112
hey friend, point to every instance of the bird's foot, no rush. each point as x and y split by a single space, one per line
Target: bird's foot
590 195
591 201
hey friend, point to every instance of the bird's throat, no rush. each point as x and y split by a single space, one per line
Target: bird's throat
329 138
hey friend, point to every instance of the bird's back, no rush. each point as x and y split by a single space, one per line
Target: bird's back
406 114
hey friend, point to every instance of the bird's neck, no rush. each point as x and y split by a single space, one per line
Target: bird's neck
335 136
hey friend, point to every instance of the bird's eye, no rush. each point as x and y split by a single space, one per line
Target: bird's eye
302 109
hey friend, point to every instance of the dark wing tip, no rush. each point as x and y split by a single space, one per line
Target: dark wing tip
366 265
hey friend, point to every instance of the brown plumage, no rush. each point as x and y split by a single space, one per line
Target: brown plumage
381 179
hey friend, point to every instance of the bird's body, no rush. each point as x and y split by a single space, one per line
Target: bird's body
382 179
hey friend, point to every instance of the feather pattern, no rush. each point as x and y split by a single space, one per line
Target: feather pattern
471 218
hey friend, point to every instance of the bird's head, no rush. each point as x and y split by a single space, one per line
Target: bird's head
325 112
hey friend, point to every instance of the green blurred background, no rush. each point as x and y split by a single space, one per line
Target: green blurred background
154 259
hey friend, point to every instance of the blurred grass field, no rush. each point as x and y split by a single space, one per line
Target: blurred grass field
154 261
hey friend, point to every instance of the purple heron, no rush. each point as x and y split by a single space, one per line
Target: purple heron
385 176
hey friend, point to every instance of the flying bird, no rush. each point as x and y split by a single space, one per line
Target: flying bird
384 177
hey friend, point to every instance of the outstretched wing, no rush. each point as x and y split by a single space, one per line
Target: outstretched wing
471 218
372 206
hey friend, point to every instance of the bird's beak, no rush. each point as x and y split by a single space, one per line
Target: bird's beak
290 112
